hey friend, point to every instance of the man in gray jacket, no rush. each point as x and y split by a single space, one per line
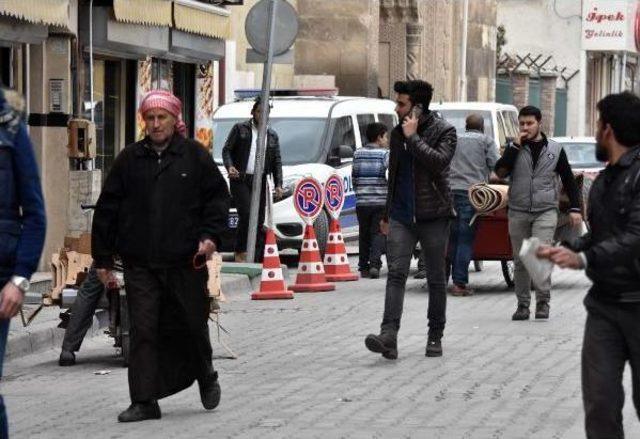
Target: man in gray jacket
534 164
474 160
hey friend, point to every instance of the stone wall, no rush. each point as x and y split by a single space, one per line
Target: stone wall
340 38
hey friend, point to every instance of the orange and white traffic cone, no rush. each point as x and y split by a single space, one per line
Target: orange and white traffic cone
336 262
272 284
311 276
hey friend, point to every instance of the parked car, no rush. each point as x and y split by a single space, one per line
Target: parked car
318 136
581 154
500 120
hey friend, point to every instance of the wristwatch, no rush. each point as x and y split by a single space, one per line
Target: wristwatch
22 283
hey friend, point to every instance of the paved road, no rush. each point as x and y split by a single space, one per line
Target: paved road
303 372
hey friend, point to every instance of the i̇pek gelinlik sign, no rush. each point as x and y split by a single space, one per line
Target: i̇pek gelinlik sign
611 25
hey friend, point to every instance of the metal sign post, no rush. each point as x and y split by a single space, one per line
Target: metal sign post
275 44
256 189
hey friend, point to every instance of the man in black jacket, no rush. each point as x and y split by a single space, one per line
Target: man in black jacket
610 253
419 207
239 156
162 208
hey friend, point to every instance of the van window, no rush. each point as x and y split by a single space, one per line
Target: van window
511 123
363 122
457 118
502 136
388 120
343 133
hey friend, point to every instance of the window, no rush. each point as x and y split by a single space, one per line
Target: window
511 123
458 118
184 88
388 119
363 122
343 133
502 135
106 110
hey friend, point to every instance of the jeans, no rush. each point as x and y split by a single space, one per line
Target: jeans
461 239
82 311
401 241
371 240
4 332
241 192
611 338
524 225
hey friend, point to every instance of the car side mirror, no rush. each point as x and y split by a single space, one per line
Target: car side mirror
345 152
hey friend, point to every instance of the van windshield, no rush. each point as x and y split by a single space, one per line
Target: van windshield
300 138
457 118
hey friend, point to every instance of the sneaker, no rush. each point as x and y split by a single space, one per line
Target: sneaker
385 344
522 313
67 358
140 411
374 273
542 310
421 274
434 347
210 391
460 291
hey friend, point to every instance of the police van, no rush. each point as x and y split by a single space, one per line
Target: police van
319 132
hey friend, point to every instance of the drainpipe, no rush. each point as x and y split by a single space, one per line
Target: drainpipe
463 63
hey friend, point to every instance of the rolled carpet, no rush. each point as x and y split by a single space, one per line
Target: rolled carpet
486 198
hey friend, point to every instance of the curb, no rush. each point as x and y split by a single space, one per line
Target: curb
41 339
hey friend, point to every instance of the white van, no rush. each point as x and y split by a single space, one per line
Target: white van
318 135
500 120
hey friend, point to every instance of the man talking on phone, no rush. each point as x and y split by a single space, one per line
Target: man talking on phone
534 162
419 208
162 209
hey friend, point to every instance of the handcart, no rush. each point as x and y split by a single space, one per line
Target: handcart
492 242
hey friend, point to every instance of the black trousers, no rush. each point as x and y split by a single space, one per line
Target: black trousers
370 239
82 311
170 345
241 190
611 338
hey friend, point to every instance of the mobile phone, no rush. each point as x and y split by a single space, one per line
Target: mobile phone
417 111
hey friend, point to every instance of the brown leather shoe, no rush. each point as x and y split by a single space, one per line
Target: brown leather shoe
458 291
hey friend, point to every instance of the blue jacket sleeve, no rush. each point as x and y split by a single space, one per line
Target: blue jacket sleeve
31 203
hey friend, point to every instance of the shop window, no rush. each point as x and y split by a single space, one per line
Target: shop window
107 99
184 88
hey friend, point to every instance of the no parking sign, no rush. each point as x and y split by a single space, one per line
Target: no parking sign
308 199
334 195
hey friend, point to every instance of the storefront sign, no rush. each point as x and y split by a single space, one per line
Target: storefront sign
610 25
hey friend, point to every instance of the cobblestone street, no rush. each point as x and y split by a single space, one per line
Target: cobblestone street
303 372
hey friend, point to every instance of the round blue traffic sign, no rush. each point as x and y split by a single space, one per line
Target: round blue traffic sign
334 194
308 199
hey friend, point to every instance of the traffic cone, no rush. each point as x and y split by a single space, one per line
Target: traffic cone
336 262
311 276
272 284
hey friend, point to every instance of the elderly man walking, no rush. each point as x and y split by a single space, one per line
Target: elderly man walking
163 206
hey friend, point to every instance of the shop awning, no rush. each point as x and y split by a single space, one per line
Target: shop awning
203 19
46 12
148 12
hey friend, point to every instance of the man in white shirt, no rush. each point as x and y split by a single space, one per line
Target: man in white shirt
239 157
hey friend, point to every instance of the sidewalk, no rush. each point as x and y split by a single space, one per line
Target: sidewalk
43 333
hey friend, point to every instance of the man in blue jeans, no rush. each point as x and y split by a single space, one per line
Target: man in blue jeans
473 162
22 218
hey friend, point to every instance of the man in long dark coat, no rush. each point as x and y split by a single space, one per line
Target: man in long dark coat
162 208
